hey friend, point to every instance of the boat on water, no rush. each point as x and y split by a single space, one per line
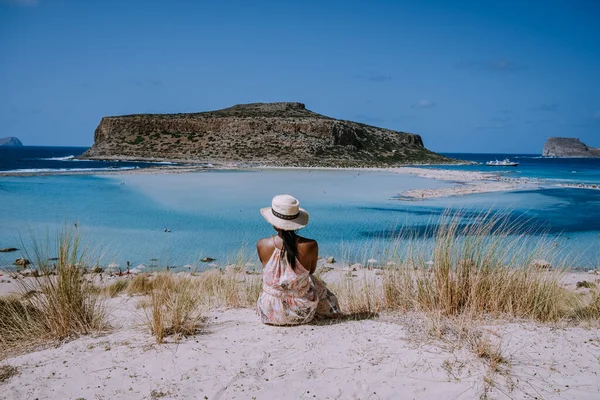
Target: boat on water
505 163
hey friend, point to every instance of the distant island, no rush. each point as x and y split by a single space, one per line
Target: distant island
10 141
568 147
275 134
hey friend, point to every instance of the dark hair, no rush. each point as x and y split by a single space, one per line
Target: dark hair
290 246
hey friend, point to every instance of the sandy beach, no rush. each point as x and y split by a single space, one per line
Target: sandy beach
386 356
466 182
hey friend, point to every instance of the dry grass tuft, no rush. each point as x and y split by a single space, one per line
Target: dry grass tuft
220 289
590 309
492 354
7 372
58 304
484 268
140 285
116 288
174 307
360 295
21 326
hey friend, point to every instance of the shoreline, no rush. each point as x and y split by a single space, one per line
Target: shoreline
466 182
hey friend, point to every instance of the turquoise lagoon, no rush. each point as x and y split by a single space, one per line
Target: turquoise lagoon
216 213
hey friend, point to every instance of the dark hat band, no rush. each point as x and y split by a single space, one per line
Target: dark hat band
283 216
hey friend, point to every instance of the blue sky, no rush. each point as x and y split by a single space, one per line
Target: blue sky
472 76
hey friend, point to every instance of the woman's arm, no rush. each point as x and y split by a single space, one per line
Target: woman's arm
262 248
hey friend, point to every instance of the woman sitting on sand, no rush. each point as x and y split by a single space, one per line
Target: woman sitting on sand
291 294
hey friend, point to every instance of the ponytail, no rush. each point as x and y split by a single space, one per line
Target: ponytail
290 246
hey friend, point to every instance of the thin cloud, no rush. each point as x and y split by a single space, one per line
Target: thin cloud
500 65
546 107
374 76
424 104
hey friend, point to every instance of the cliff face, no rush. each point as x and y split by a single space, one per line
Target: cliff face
568 147
262 133
10 141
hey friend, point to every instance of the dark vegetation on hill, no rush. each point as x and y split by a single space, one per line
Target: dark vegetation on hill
277 134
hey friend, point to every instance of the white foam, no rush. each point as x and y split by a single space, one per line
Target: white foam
44 170
65 158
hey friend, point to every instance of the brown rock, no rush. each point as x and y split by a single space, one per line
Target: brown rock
22 261
540 264
259 133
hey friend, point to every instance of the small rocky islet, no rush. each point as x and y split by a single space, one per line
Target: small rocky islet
568 147
10 141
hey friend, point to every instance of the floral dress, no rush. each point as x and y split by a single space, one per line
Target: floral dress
293 297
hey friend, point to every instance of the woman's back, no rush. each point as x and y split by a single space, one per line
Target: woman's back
291 295
307 251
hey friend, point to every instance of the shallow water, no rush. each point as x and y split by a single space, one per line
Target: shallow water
214 213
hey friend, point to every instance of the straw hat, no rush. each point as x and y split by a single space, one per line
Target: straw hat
285 213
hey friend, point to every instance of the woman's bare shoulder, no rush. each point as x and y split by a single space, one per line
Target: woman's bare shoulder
264 243
307 243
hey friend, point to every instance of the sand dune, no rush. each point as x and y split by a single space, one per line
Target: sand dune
237 357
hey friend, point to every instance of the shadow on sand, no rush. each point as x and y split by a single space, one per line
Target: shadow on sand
345 318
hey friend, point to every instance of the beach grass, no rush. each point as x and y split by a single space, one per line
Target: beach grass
140 285
174 307
482 269
117 287
7 372
58 303
358 294
228 289
486 268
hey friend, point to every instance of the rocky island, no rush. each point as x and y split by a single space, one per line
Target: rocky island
275 134
568 147
10 141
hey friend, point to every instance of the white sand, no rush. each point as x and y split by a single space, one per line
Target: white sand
237 357
467 182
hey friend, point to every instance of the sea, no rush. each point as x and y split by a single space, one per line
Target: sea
176 220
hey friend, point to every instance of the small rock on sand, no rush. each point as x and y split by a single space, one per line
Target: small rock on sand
29 272
22 261
540 264
330 260
354 267
8 249
585 284
234 269
208 259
